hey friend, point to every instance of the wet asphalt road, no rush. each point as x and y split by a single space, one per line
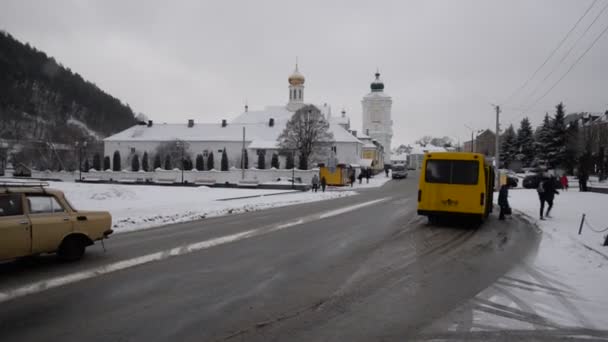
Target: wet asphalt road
378 273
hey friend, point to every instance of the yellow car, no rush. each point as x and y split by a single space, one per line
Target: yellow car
35 219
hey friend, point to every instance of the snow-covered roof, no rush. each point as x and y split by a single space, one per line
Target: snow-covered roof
399 157
377 94
339 120
256 125
417 149
199 132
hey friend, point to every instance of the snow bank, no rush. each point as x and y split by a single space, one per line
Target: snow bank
136 207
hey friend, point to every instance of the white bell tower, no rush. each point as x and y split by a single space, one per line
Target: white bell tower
296 90
377 122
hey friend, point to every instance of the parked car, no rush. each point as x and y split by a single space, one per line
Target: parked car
531 182
35 219
399 171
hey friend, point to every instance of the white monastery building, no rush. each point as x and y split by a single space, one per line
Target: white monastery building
262 128
377 122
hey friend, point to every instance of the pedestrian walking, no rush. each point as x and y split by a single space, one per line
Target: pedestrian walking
564 181
323 183
546 193
386 171
368 173
503 201
315 182
361 175
352 177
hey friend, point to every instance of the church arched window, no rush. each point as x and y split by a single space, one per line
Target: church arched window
300 94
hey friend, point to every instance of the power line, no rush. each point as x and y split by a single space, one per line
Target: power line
531 95
550 55
570 69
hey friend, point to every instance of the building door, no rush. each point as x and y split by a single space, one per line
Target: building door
15 228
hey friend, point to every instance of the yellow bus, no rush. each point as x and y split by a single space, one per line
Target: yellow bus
455 184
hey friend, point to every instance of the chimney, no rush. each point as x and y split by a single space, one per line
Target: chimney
343 113
149 123
246 108
354 133
224 123
190 123
271 122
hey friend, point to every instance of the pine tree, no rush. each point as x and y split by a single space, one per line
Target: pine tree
556 153
543 140
274 162
508 147
200 164
289 162
157 162
106 163
261 161
525 142
135 163
97 162
87 167
245 159
224 161
144 162
168 162
572 147
116 161
210 162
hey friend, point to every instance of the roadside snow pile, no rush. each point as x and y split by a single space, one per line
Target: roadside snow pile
568 208
136 207
374 182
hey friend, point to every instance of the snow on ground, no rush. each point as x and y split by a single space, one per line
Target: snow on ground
374 182
561 292
135 207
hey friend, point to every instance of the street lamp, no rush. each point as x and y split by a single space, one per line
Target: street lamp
293 169
80 146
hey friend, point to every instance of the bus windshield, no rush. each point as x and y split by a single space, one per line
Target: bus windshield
464 172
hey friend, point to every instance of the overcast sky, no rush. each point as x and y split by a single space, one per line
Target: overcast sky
443 62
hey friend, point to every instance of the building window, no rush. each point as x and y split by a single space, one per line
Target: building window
205 153
132 149
300 94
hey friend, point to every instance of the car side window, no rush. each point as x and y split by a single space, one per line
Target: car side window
10 205
44 204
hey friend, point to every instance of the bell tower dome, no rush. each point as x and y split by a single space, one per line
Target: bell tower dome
296 90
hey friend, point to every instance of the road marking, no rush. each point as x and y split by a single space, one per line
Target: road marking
351 208
166 254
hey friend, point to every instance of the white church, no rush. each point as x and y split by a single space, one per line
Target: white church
261 130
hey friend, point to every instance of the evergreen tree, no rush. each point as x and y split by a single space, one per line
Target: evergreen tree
106 163
135 163
157 161
274 162
224 161
556 153
210 162
188 164
87 167
543 140
508 146
200 164
168 162
116 161
97 161
572 147
525 142
261 161
289 162
144 162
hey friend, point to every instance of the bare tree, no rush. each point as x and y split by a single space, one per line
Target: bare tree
307 132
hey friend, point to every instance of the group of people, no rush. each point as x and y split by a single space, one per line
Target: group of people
316 182
547 189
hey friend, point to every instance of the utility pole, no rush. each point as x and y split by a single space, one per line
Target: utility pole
243 153
497 147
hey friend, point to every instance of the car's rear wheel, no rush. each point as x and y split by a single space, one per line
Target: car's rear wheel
71 249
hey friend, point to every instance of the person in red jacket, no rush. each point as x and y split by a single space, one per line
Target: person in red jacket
564 181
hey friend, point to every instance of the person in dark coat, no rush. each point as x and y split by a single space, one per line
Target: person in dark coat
323 183
503 201
361 175
352 178
546 193
368 173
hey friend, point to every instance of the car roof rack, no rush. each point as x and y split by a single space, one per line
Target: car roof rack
23 184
